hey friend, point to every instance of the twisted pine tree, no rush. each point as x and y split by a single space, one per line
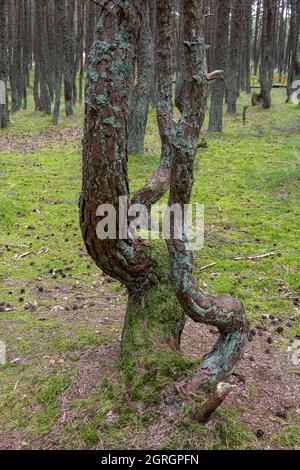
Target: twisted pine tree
162 290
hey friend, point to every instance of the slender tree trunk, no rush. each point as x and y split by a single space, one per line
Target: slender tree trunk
256 52
140 97
267 52
221 62
234 54
180 75
233 327
69 56
81 12
4 116
59 53
294 66
282 39
16 69
153 24
248 39
41 55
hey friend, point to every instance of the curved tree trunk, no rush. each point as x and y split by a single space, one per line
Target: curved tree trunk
140 97
158 305
226 313
105 159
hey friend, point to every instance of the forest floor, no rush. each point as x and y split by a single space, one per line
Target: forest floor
61 318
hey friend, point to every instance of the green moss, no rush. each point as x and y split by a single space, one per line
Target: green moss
234 435
53 388
288 439
43 421
81 337
90 436
148 363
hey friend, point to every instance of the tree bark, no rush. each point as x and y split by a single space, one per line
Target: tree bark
42 91
140 97
256 52
248 43
180 74
234 54
221 62
59 52
226 313
69 56
294 65
4 116
159 182
267 53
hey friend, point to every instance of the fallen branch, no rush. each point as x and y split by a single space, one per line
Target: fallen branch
268 393
23 255
254 258
43 250
217 398
207 266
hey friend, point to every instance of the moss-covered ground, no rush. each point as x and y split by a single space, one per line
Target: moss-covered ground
61 319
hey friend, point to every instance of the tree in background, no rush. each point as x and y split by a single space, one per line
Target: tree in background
53 43
69 56
293 45
248 33
141 94
267 65
59 14
4 117
236 30
220 62
43 76
256 43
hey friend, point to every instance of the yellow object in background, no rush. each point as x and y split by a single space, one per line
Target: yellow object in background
254 79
